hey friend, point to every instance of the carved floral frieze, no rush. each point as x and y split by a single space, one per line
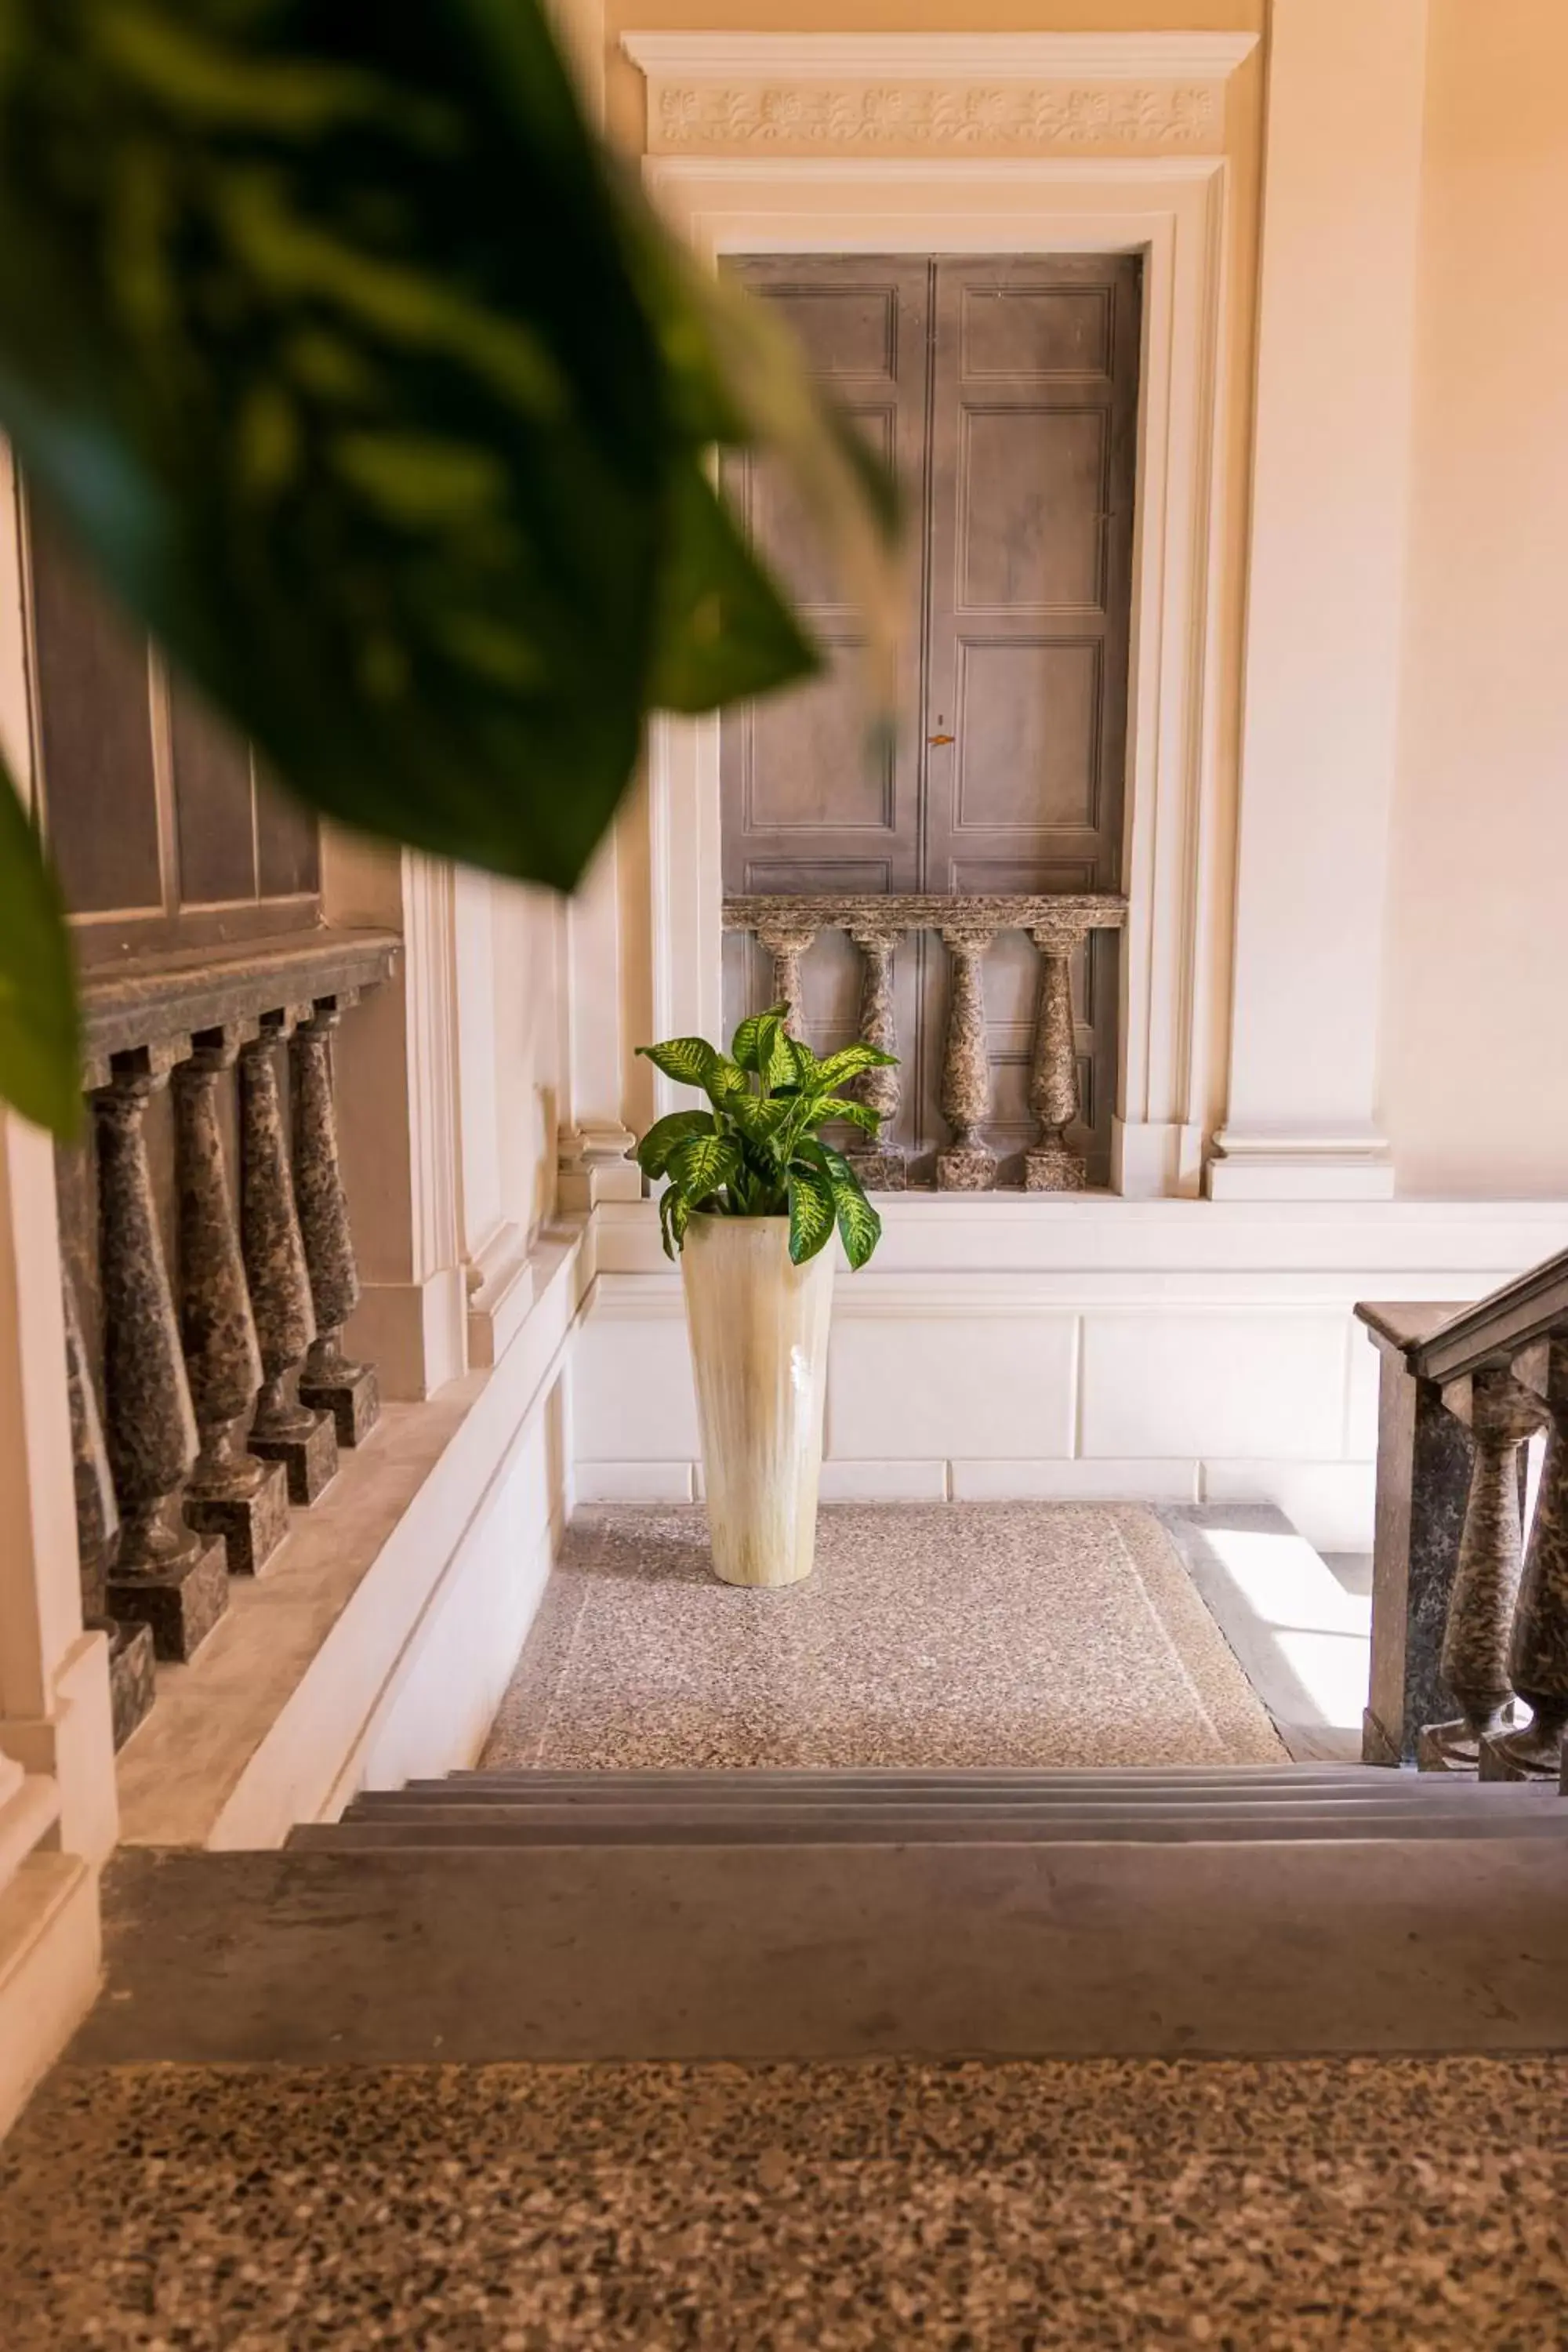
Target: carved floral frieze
806 117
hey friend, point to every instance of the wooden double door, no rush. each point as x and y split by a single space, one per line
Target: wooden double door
1004 392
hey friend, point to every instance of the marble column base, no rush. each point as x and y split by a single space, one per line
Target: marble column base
1049 1170
310 1458
1450 1748
131 1684
181 1600
252 1526
353 1397
1521 1756
881 1171
966 1168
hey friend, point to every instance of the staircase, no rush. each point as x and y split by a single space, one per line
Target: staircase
540 1915
1169 1805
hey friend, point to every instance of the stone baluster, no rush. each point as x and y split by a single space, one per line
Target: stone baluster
1538 1648
131 1670
1499 1416
232 1492
968 1165
284 1430
879 1165
1048 1165
330 1381
787 943
165 1575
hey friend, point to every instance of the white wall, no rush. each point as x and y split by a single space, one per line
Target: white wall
1474 1091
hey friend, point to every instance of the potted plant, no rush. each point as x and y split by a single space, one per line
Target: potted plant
753 1196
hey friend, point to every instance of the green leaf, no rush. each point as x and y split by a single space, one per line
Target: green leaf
725 1083
844 1106
748 1044
780 1066
850 1060
703 1163
653 1152
760 1118
724 630
811 1213
859 1226
40 1040
687 1059
674 1210
415 500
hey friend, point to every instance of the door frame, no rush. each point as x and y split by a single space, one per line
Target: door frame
1172 210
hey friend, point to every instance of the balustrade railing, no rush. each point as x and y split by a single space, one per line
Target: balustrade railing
787 927
1469 1665
225 1391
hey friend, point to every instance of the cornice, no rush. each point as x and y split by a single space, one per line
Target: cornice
945 93
1010 56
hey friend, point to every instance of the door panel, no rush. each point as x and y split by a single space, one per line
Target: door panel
807 782
1006 392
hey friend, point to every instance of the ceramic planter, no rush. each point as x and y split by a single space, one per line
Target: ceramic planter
759 1349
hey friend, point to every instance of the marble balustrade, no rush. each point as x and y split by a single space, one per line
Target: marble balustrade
786 928
212 1274
1466 1607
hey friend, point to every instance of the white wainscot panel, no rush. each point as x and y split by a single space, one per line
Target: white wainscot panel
1269 1382
946 1385
1361 1404
632 1398
1333 1504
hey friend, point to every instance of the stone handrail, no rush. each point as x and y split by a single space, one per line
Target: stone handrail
786 928
225 1391
1466 1614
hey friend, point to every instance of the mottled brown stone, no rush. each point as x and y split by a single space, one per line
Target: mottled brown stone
132 1687
1538 1650
968 1165
330 1381
787 942
284 1430
231 1491
164 1576
1049 1166
879 1166
1499 1416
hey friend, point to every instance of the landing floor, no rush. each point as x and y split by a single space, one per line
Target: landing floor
1009 1633
1308 2206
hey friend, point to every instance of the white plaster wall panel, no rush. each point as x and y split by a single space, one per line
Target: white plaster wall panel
1361 1367
884 1481
635 1482
1331 1503
632 1398
1074 1482
1216 1384
949 1385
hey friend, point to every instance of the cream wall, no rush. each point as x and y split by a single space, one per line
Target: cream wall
1476 973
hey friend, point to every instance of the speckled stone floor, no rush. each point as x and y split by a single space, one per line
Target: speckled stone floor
1010 1634
1365 2206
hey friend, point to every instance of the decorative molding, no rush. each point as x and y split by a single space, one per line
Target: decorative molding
1172 209
953 93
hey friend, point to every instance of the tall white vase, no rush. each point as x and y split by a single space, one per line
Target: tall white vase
758 1347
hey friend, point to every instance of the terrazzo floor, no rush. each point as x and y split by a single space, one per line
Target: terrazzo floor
1366 2206
986 1635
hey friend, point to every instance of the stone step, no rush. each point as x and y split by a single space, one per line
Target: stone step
1292 1946
1527 1813
808 1786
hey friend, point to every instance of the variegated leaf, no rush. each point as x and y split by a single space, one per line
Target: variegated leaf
811 1213
704 1163
685 1059
654 1151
